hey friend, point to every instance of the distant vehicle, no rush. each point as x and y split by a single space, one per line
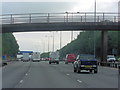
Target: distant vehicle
111 58
4 60
25 57
35 57
54 57
19 57
119 59
85 62
47 59
70 58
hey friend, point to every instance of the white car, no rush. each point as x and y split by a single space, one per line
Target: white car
111 58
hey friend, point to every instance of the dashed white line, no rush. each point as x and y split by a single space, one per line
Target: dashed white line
79 81
21 81
67 74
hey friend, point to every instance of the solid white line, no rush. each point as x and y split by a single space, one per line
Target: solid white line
21 81
79 81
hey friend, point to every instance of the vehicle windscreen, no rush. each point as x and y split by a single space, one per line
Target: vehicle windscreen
88 63
86 57
36 56
110 56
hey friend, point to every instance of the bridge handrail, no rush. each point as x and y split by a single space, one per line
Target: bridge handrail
100 16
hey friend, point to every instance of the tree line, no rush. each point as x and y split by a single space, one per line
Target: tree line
84 44
9 45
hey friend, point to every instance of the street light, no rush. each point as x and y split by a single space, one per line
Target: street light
48 41
53 41
60 39
71 36
95 31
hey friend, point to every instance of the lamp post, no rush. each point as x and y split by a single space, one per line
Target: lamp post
60 39
95 31
48 41
53 41
71 36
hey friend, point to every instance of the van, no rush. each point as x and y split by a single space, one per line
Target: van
35 57
54 57
25 57
111 58
70 58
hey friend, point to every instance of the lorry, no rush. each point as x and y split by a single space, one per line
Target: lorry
25 57
35 57
85 62
19 56
70 58
54 57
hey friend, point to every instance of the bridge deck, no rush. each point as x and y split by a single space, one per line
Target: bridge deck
76 26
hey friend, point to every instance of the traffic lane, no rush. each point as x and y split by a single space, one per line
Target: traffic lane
105 78
0 78
13 73
44 75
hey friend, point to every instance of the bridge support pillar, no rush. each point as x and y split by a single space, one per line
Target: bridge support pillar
104 44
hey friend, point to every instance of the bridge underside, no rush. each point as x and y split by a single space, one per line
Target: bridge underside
26 27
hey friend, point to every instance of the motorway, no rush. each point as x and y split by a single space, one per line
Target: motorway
20 74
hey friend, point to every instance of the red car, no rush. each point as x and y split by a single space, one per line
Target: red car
47 59
70 58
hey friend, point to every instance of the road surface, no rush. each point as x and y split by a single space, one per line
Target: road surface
43 75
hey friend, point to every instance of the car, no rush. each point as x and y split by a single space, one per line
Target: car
25 57
119 59
70 58
85 62
54 57
111 58
4 62
46 59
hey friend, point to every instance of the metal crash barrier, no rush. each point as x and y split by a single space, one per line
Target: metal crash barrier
109 64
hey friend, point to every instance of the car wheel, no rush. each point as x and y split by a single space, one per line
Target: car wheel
66 62
75 70
78 70
49 62
91 71
95 71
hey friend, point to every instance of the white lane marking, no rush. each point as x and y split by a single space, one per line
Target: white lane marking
79 81
21 81
67 74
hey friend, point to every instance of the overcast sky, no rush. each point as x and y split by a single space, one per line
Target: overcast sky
37 41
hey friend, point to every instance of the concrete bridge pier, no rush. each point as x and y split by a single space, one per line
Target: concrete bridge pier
104 44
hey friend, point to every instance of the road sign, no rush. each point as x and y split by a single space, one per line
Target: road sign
3 56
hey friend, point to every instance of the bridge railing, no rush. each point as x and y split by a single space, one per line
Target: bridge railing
59 17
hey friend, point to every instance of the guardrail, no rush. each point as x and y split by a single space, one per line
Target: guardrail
59 17
109 64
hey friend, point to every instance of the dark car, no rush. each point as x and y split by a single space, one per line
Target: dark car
85 62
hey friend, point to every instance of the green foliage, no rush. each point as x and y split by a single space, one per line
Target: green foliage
45 55
9 44
84 44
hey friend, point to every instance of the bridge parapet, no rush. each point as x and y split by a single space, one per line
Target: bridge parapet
66 17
